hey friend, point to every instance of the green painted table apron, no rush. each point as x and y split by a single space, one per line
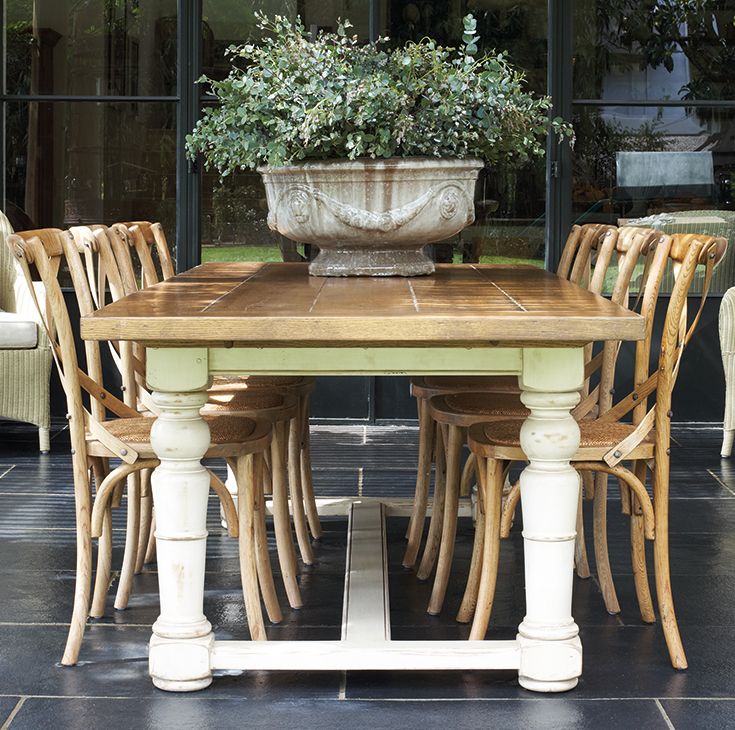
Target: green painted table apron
250 319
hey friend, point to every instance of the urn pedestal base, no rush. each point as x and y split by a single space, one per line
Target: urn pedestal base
371 262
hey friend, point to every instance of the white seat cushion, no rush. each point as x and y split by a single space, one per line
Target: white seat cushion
17 333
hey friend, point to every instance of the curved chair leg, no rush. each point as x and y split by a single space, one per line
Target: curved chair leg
588 484
468 470
150 551
417 520
431 548
282 519
663 583
125 582
146 513
638 550
509 509
83 583
230 485
581 563
265 572
491 549
104 548
104 567
293 446
307 483
604 574
248 563
449 525
472 587
44 440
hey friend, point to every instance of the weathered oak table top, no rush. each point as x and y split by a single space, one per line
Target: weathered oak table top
279 303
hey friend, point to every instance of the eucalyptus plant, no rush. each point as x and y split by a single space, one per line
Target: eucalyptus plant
295 97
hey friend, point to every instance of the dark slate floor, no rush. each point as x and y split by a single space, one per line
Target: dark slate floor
627 680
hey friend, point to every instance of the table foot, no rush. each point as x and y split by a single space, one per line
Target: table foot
181 666
550 666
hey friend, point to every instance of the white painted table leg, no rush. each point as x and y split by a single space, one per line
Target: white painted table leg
551 652
182 636
182 640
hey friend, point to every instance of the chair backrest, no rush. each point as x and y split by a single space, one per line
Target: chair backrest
44 249
103 249
149 242
586 255
687 252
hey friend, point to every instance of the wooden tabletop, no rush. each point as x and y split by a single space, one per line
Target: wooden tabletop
225 304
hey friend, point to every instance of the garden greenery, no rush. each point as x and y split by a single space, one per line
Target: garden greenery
294 98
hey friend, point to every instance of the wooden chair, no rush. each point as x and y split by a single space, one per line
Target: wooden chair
582 244
94 439
149 242
607 441
276 406
455 412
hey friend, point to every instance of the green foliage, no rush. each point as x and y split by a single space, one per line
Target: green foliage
704 30
295 98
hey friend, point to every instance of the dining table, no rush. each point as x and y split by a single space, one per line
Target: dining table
245 318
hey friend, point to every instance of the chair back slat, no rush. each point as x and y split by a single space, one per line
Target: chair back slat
154 236
44 252
632 246
149 242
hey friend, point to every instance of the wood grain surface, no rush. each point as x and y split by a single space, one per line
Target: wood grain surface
279 303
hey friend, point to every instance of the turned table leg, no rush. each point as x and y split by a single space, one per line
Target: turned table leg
182 637
551 652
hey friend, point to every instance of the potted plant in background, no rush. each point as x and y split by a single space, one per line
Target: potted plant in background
369 152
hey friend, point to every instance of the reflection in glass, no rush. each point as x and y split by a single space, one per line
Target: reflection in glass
679 164
510 204
88 47
625 49
84 163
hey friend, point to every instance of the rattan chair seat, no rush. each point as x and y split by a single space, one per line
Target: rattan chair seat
596 439
432 385
466 409
223 429
272 405
226 382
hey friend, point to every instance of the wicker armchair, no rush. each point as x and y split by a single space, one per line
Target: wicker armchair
727 345
25 353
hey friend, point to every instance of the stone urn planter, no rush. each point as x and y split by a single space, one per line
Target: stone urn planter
371 217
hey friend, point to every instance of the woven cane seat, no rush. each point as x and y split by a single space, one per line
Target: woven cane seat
242 400
594 437
228 382
432 385
297 385
223 429
465 409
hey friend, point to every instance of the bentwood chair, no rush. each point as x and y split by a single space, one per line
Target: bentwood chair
607 441
95 439
458 411
582 245
282 401
149 242
262 405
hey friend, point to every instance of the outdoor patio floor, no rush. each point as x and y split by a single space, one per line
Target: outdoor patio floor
627 680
